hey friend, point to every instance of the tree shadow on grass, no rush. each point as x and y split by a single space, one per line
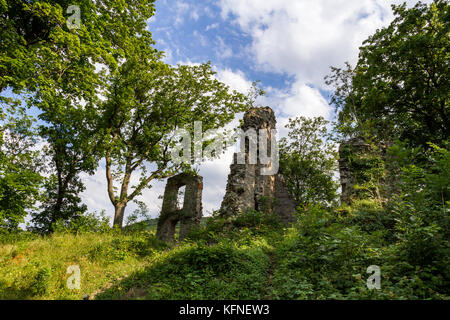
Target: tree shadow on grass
197 272
13 292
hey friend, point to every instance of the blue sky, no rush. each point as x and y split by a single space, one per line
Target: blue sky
193 31
288 45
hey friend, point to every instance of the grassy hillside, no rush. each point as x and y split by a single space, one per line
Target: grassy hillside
325 255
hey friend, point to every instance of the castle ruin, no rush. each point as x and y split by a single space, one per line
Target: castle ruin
191 212
249 189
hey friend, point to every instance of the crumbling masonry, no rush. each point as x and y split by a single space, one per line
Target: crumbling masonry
191 212
365 171
248 189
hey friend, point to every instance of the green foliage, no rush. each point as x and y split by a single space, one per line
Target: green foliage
370 216
58 206
19 168
399 87
421 212
35 282
243 228
368 171
55 68
324 255
83 223
34 267
138 244
307 161
197 271
257 220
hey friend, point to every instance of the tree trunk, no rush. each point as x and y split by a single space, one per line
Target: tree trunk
119 213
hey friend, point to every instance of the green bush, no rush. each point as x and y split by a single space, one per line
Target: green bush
370 216
138 244
85 223
256 219
200 271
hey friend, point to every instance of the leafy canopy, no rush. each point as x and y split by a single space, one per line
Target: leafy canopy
307 161
400 85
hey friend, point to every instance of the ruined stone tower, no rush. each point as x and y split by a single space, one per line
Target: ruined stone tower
248 187
191 212
363 171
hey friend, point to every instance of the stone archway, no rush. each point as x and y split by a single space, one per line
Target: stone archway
191 212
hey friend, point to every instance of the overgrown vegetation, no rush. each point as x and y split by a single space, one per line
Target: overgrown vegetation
324 255
308 162
398 217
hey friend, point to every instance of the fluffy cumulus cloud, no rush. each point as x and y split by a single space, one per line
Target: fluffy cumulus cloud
307 101
299 99
304 37
236 80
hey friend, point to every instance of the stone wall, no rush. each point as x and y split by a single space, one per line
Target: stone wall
248 189
355 146
363 171
189 215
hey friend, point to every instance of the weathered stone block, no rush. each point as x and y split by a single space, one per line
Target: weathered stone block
248 189
188 216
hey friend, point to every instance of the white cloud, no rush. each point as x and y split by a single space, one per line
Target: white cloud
201 38
235 80
304 38
303 100
181 8
223 51
195 15
95 196
298 100
211 26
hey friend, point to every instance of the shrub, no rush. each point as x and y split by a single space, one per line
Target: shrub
85 223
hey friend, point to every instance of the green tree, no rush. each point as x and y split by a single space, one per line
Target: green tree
422 221
399 87
63 71
308 161
56 209
146 103
19 168
70 101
